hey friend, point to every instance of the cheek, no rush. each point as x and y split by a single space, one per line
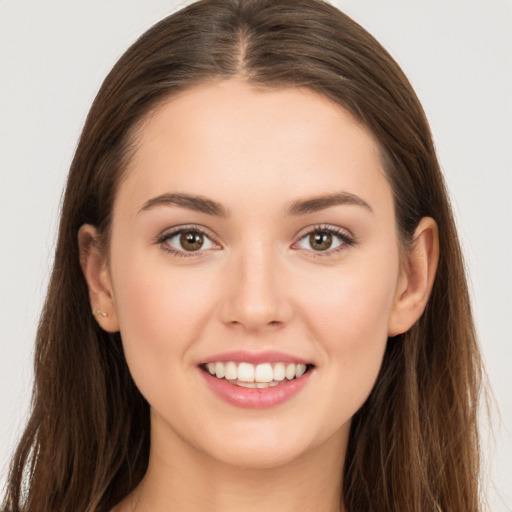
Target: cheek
351 305
161 311
349 321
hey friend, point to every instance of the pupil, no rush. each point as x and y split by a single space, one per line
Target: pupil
191 240
320 241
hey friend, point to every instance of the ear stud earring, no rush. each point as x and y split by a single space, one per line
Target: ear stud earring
99 312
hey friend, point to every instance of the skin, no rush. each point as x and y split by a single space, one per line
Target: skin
258 285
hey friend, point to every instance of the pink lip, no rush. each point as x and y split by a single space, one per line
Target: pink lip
268 356
254 398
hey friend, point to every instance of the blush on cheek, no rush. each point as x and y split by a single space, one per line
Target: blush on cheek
354 307
160 314
352 321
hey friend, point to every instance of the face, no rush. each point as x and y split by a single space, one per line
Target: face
254 239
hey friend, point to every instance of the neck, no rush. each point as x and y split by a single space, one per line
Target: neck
190 481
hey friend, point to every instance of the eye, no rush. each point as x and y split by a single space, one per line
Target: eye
186 240
325 239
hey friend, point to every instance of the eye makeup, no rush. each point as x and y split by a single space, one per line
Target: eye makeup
192 240
324 240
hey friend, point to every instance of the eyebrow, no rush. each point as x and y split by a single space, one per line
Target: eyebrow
210 207
191 202
315 204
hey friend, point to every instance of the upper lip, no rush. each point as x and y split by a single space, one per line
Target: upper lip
244 356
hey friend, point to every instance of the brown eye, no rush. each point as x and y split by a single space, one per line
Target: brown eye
188 240
320 240
191 240
328 240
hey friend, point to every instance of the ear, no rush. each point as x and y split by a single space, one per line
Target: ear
96 272
416 278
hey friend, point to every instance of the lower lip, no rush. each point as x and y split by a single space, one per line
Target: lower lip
255 398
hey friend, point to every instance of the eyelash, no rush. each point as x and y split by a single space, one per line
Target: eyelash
346 239
165 237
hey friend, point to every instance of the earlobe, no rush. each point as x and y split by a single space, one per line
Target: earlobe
417 278
96 273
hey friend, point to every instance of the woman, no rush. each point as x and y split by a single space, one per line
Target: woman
256 218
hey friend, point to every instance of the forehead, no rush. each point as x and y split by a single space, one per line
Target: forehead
230 138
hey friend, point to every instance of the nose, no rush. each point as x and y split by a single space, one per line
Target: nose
255 295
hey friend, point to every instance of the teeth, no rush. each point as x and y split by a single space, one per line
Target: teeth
290 371
219 370
279 371
261 376
264 373
231 371
245 372
246 384
300 370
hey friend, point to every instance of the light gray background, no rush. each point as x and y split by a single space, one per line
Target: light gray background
458 56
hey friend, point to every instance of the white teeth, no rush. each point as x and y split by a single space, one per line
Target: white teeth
300 371
290 371
219 370
279 371
231 371
261 376
264 373
246 384
246 372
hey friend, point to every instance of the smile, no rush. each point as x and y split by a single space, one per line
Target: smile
256 381
263 375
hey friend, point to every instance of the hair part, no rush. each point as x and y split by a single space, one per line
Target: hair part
414 444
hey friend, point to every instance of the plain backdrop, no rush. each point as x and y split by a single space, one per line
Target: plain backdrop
458 56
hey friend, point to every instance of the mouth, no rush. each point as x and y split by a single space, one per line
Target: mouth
256 376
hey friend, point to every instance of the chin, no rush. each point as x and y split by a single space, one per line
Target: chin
273 449
260 457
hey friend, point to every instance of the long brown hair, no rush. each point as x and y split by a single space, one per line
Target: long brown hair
413 445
